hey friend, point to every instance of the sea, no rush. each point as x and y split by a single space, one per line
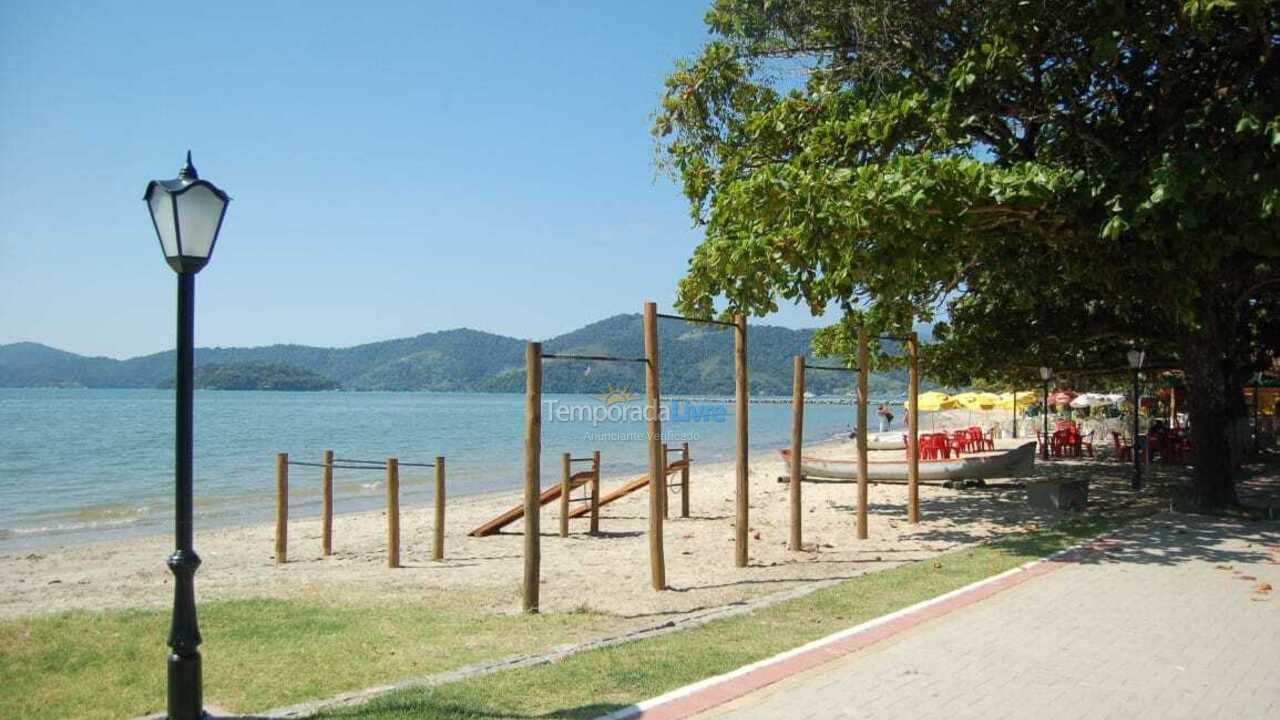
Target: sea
79 465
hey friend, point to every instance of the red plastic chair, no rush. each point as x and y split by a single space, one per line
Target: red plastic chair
1124 452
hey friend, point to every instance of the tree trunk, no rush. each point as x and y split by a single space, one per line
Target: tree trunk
1212 423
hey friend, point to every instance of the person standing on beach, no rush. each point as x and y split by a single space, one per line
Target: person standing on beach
886 417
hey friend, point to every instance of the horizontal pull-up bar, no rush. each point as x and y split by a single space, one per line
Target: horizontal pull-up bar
602 358
697 320
582 459
826 367
337 467
363 464
382 463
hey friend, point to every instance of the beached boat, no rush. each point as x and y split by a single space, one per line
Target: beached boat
1011 462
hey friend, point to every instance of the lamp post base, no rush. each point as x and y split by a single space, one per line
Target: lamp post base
185 694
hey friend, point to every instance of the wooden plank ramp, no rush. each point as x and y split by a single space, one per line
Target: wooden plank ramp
627 488
551 493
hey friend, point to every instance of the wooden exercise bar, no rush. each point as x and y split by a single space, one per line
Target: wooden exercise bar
657 479
913 430
795 541
282 508
742 487
864 361
437 547
393 513
326 513
532 473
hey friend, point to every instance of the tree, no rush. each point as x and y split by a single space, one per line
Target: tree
1055 181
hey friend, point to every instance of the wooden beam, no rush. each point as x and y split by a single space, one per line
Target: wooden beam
863 363
532 473
740 400
393 513
282 508
326 513
795 540
913 430
437 548
657 479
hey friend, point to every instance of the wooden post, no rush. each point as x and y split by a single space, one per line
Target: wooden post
326 518
864 362
393 513
797 438
665 497
282 508
532 473
684 481
437 548
565 486
595 493
657 481
740 401
913 430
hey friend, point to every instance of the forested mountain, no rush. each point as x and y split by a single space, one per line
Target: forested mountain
696 359
258 376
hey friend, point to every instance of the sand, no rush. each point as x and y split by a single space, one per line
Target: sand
608 573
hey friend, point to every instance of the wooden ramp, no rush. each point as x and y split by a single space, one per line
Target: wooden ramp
627 488
551 493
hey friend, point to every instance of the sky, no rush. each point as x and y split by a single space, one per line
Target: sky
394 168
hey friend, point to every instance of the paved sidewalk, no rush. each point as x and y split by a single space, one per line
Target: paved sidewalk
1170 620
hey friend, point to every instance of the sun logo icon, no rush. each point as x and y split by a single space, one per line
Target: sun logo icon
616 395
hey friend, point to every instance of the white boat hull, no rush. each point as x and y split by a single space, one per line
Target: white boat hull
1013 462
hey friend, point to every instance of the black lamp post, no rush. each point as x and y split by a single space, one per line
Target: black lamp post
1046 374
187 213
1135 363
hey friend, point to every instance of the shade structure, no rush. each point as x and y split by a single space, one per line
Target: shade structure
933 401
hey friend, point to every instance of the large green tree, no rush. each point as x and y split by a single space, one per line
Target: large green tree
1055 181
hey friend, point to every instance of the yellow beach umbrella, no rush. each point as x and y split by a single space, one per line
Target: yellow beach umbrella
1024 398
976 400
933 401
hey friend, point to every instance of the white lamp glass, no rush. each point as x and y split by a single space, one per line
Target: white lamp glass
161 204
199 214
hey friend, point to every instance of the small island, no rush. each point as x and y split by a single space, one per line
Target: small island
258 376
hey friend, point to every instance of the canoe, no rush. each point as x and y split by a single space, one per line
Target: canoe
1002 463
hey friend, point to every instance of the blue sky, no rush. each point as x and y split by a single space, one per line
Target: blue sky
395 168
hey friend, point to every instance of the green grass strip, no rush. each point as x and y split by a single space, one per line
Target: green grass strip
260 654
599 681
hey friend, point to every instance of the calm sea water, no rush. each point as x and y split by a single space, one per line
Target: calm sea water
81 464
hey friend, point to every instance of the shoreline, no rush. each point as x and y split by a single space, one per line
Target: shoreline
124 521
601 573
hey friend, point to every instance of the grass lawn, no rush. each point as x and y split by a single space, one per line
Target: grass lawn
260 653
267 653
596 682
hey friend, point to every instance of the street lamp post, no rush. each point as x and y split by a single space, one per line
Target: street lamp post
1046 374
187 213
1135 363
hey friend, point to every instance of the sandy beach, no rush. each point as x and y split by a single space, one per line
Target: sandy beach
606 573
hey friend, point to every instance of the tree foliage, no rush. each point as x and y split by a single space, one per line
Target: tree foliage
1054 181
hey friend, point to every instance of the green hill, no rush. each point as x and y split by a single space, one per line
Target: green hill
696 359
257 376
